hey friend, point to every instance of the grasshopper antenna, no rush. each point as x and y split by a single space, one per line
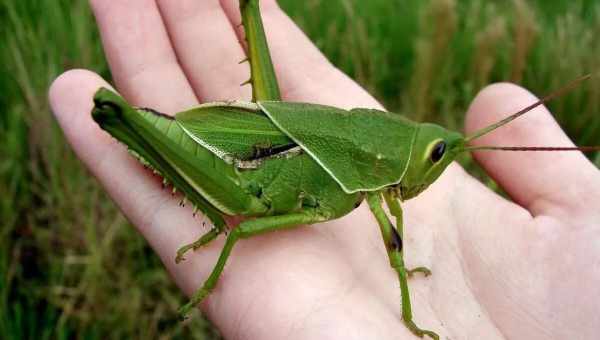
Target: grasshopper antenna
514 116
534 148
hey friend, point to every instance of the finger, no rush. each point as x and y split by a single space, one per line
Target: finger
302 70
540 181
143 64
139 194
207 48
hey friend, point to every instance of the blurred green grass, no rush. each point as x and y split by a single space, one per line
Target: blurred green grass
70 265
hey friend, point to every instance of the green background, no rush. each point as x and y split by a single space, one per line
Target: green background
70 265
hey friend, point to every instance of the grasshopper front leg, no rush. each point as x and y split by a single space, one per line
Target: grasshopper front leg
396 211
393 245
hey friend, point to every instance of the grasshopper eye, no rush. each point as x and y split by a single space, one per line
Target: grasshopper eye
438 151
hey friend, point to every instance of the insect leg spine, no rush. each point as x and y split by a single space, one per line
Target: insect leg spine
247 82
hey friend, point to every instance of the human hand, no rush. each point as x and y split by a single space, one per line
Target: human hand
525 270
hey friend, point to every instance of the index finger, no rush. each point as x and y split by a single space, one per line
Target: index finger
139 52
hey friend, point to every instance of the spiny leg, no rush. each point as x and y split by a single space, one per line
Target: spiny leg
247 229
396 211
204 239
393 245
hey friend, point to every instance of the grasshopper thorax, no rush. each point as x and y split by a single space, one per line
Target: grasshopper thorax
434 149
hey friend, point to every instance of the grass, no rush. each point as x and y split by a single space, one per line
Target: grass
71 266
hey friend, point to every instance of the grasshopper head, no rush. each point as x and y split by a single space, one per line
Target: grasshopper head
434 149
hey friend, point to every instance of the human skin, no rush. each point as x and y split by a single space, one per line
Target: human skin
522 269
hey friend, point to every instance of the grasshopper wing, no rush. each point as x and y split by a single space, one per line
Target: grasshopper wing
233 131
362 149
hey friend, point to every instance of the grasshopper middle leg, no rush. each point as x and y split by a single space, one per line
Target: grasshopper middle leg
248 229
204 239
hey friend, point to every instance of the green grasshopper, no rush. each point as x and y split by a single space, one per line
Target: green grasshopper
284 164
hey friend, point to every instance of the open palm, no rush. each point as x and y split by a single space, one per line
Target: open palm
524 270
